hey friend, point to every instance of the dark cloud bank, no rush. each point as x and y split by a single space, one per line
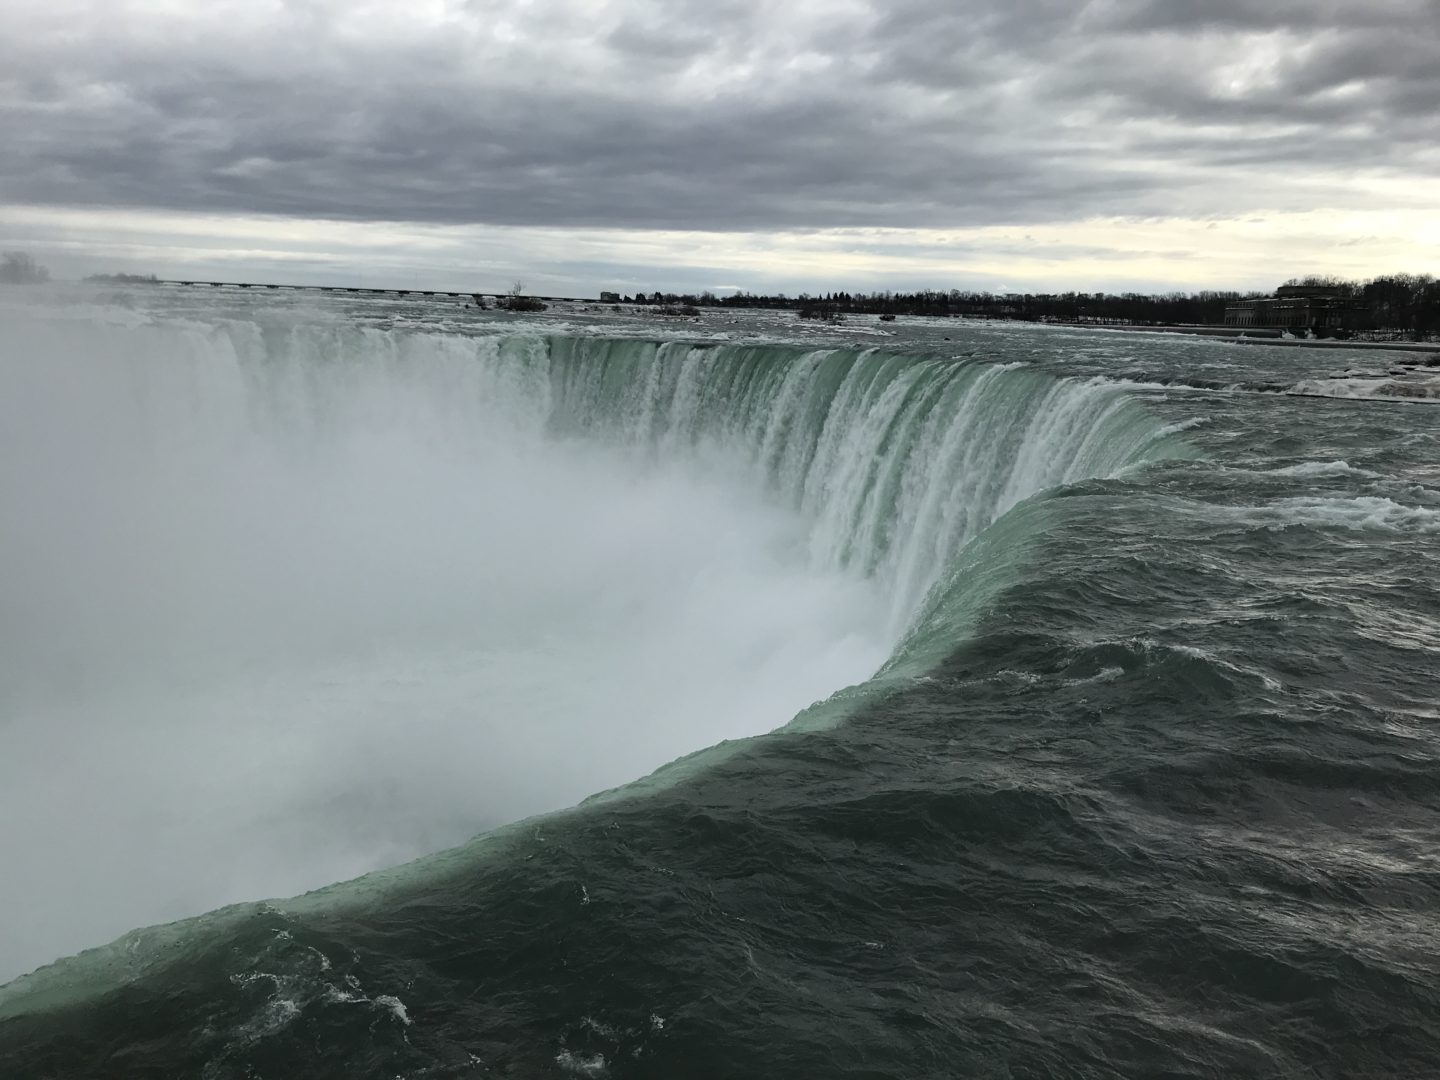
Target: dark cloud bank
724 116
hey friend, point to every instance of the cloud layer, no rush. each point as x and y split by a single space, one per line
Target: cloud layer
726 116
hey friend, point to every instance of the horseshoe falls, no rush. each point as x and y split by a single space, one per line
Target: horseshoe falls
391 692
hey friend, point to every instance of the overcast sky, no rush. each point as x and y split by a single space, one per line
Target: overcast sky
588 144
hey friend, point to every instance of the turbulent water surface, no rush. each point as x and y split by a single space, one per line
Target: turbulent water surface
721 698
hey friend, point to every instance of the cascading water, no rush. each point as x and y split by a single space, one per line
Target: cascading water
894 461
293 602
1134 775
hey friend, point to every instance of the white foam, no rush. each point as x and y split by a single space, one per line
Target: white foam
395 1006
1361 512
1185 425
1104 675
1315 470
581 1064
1371 389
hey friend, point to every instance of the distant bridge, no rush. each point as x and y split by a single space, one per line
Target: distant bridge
362 290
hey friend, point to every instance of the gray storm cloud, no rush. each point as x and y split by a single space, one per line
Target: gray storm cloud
717 116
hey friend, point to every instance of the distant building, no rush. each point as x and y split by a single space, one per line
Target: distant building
1297 307
609 297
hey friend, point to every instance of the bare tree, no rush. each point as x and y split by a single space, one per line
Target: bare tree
516 300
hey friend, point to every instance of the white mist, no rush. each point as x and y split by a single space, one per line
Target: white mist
274 613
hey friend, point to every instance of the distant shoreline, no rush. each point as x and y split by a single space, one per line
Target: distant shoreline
1240 337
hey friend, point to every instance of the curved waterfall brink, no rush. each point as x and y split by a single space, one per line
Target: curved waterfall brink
897 461
393 589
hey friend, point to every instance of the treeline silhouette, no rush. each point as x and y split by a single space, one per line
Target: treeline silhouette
123 279
1401 303
1408 303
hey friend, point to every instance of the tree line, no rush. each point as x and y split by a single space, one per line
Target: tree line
1408 303
1388 305
1402 303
